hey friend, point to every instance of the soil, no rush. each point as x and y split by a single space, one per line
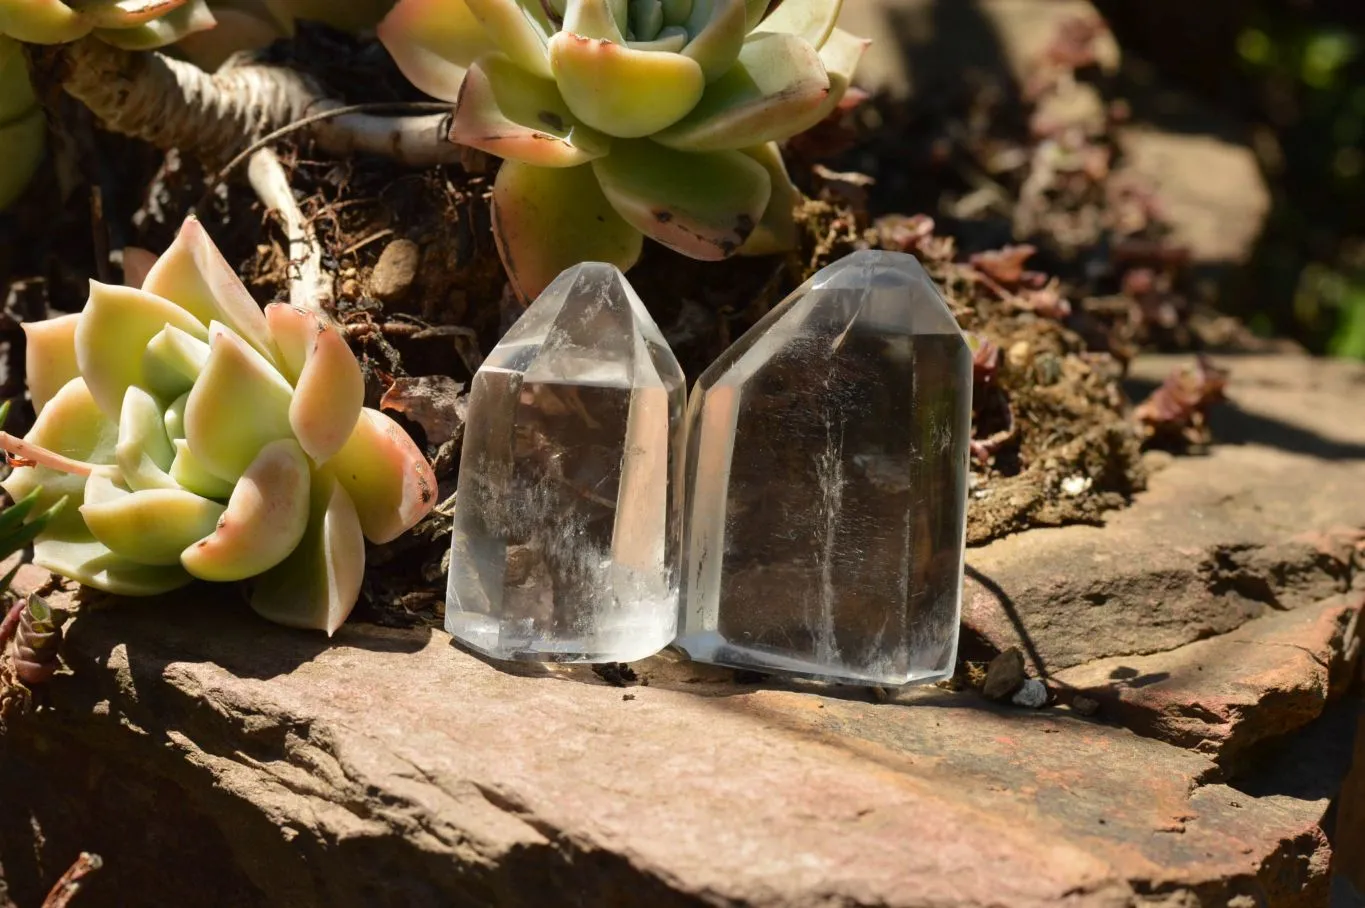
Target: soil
1054 439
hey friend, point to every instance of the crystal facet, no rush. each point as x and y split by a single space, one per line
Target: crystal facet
568 528
826 483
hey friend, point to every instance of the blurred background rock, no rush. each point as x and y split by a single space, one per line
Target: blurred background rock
1247 116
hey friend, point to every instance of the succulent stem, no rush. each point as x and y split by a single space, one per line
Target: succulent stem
36 455
10 624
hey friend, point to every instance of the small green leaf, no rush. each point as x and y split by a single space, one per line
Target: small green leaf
546 220
172 361
113 330
153 526
810 20
144 453
776 90
718 28
702 205
264 521
433 41
516 33
190 474
49 357
329 390
386 475
620 91
507 112
239 405
317 585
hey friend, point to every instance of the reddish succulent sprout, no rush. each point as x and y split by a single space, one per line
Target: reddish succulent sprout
36 640
9 625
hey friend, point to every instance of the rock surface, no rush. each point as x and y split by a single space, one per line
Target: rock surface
216 760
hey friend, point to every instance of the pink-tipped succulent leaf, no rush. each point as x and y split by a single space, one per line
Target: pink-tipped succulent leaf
665 99
198 437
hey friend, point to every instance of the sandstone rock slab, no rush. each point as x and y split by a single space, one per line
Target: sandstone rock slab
1265 521
389 768
1223 695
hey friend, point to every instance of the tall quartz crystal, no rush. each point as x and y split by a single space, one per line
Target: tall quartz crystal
826 483
568 525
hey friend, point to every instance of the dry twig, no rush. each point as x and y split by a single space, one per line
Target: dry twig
71 882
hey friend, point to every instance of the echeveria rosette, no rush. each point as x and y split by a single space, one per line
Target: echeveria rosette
204 438
620 119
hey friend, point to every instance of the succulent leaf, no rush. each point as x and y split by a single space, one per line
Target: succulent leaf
172 361
16 92
190 474
194 274
703 205
117 322
50 357
546 220
239 405
433 42
329 389
510 113
24 140
144 452
175 417
126 13
80 556
810 20
717 28
776 230
621 91
187 19
676 12
150 526
841 55
318 584
75 426
776 90
516 31
386 475
264 521
41 21
600 19
234 30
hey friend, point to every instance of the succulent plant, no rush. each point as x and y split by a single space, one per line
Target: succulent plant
620 119
130 24
204 438
23 130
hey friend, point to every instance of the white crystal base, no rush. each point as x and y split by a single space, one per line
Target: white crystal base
613 643
716 650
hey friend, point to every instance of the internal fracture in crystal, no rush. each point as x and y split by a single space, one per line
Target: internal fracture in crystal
567 533
826 483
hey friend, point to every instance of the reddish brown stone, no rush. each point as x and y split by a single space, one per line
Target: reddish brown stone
1222 695
1349 859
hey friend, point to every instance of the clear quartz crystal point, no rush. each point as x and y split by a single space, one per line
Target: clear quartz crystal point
568 530
826 483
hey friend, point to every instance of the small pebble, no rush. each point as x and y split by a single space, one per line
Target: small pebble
1005 675
627 696
1085 706
1076 485
395 271
1032 695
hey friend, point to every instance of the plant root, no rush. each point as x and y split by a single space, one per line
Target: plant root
174 104
310 284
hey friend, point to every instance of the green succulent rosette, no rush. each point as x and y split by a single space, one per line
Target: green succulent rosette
200 437
621 119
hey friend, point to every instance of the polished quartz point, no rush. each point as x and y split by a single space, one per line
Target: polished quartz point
826 483
567 534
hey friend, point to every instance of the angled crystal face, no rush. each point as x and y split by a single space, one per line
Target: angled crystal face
826 483
568 529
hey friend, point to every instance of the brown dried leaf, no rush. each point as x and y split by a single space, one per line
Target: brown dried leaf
434 402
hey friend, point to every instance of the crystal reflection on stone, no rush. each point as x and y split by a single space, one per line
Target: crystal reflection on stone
826 483
567 532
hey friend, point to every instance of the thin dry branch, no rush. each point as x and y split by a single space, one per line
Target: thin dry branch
173 104
70 884
310 286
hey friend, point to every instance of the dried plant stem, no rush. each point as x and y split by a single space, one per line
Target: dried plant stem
174 104
66 888
37 455
310 286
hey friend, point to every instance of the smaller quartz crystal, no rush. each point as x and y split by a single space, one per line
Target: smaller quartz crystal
826 483
567 532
